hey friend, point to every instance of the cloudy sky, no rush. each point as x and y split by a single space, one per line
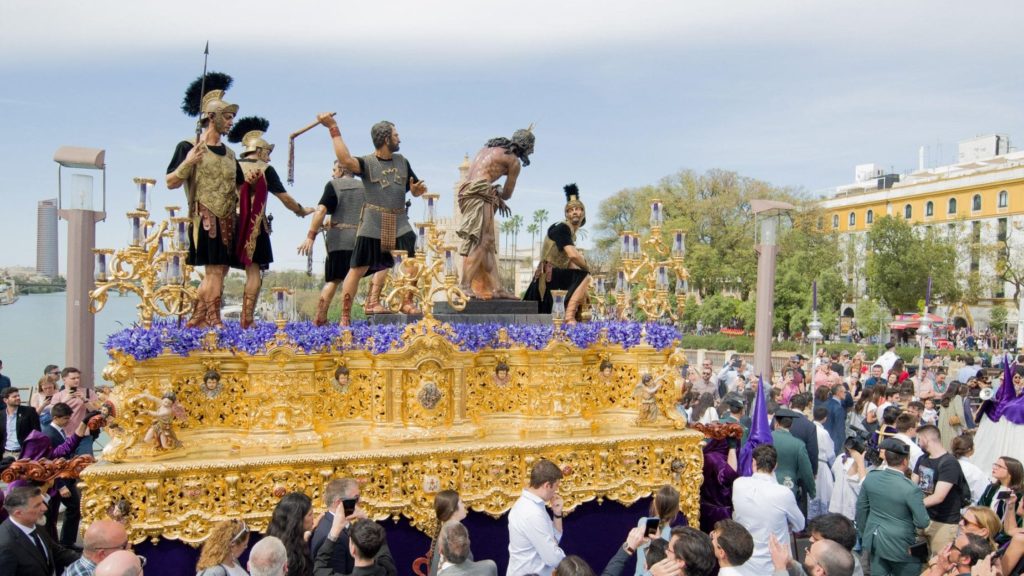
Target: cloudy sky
623 93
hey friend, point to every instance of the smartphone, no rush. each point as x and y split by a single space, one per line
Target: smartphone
1003 495
349 506
652 526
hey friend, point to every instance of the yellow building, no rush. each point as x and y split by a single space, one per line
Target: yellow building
979 201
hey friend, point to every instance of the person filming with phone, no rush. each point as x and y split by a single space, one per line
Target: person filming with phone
341 496
81 400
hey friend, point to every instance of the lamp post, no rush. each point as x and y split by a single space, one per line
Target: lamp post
77 209
924 330
768 213
814 326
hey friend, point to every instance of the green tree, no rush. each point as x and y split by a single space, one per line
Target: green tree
872 318
998 315
533 228
899 263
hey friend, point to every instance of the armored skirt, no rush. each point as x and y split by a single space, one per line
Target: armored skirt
561 279
368 253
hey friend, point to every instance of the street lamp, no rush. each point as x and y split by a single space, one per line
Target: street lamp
814 326
767 214
77 209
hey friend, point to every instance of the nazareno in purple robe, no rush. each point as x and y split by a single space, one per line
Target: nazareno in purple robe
716 491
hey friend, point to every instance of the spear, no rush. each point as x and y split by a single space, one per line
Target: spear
202 92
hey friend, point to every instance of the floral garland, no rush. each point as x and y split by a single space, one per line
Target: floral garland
143 344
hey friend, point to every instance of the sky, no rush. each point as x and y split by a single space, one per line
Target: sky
795 93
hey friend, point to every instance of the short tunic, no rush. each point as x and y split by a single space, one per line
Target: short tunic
367 250
567 279
263 255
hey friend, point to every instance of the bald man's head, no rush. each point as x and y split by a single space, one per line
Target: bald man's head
103 538
120 563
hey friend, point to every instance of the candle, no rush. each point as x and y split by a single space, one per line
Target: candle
421 235
280 302
599 289
679 244
662 279
182 239
449 262
397 256
142 194
656 215
636 246
814 295
624 248
620 282
928 296
160 245
175 275
430 209
101 267
136 231
680 287
558 304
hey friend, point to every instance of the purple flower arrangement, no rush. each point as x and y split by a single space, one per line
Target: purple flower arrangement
143 344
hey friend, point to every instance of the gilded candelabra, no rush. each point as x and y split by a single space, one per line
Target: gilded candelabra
430 271
159 276
644 274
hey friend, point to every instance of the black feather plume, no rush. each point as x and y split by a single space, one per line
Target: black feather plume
214 81
570 191
246 125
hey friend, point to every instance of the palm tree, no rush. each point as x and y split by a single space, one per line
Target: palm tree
540 217
517 225
506 229
533 229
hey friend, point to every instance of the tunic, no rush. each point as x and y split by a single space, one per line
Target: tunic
553 272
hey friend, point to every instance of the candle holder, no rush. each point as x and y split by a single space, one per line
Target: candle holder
430 271
646 271
558 308
431 206
158 275
283 304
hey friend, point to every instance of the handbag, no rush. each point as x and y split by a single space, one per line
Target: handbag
954 420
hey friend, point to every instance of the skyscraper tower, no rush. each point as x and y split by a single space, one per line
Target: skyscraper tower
46 238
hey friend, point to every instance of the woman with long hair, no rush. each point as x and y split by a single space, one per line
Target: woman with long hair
952 421
448 507
962 448
664 507
1005 492
291 521
981 521
220 553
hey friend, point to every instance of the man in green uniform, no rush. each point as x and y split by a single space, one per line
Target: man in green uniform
794 467
889 509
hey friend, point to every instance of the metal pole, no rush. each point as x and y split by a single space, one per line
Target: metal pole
764 323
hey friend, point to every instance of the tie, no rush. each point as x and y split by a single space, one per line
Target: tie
41 548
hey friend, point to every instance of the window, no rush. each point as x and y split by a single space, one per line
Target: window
929 208
952 206
976 203
1002 198
870 218
908 211
835 220
1001 230
853 219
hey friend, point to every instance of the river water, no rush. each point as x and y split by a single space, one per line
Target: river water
32 334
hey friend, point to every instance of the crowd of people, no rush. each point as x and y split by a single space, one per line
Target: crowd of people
869 461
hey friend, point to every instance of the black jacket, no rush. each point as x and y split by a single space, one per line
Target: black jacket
20 557
325 554
27 421
340 561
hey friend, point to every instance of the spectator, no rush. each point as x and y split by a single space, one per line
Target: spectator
365 540
268 558
849 472
42 400
804 429
876 377
1008 476
889 396
291 519
942 482
733 545
219 556
823 558
906 431
889 510
689 554
81 400
764 507
121 563
962 449
823 480
888 358
341 496
968 371
21 419
25 550
982 521
448 506
664 508
790 387
835 425
533 536
634 540
65 490
102 538
573 566
456 558
794 466
959 556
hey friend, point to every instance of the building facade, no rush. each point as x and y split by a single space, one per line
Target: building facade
46 238
979 202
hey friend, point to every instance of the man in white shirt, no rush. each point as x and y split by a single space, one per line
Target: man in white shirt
765 508
533 537
887 359
733 546
906 426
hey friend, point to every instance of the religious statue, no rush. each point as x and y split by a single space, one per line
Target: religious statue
161 432
211 384
501 376
479 198
646 390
